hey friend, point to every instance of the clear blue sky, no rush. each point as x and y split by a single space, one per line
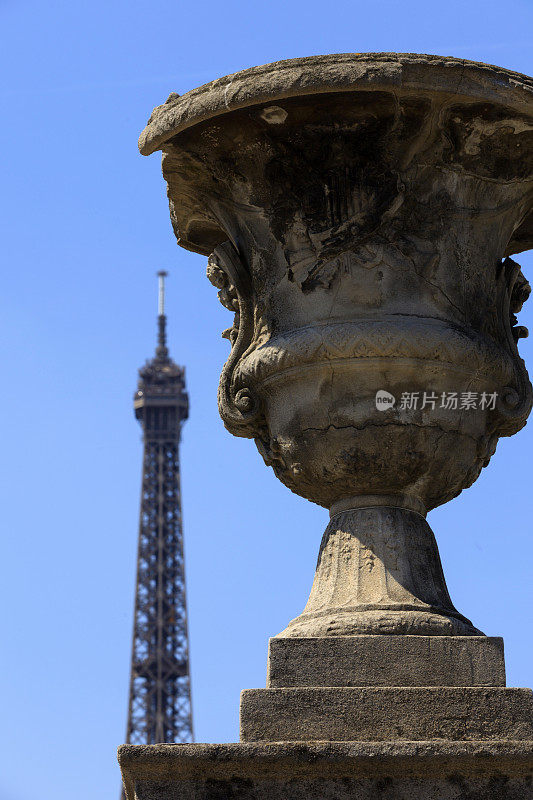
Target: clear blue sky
84 228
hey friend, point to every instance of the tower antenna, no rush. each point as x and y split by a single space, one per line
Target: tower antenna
162 349
161 305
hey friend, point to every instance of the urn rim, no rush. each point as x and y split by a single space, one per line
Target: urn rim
330 73
446 76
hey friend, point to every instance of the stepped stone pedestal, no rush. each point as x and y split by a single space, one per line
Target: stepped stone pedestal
386 688
359 213
333 728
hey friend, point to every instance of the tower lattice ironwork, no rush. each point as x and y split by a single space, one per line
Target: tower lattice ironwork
160 687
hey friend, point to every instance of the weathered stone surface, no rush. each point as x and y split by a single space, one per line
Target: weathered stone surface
379 572
357 209
330 771
359 212
386 661
386 713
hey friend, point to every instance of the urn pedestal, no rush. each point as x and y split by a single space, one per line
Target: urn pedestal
359 213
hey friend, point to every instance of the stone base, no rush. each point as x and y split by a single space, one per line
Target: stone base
440 770
398 713
386 661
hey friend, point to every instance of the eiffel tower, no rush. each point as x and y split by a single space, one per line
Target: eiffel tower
160 687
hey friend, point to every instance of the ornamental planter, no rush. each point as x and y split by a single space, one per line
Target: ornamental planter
359 213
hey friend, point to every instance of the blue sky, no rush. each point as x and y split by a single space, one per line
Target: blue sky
84 228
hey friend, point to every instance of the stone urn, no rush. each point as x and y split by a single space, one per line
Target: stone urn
359 213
